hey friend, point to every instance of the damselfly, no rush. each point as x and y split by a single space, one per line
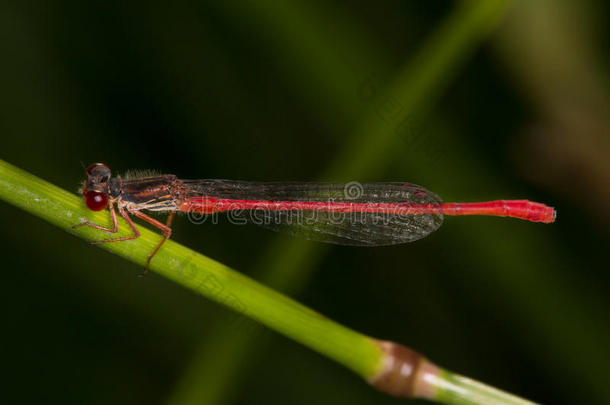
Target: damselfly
360 214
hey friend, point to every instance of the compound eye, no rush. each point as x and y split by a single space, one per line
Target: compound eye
96 200
98 170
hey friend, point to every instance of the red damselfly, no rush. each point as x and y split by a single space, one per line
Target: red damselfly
359 214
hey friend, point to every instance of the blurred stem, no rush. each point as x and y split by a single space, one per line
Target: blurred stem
386 365
459 390
416 87
288 262
317 49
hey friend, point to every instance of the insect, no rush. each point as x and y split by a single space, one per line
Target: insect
359 214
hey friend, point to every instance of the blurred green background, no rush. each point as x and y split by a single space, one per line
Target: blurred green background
503 102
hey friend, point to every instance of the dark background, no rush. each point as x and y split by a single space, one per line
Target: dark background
259 91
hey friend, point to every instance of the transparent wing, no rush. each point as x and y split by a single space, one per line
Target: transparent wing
360 214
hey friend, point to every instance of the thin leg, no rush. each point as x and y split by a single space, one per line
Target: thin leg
136 233
115 226
167 232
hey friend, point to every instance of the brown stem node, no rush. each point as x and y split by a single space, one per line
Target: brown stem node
404 372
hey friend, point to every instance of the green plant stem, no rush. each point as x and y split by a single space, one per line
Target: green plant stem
371 359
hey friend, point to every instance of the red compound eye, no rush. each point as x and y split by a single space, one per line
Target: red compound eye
96 200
